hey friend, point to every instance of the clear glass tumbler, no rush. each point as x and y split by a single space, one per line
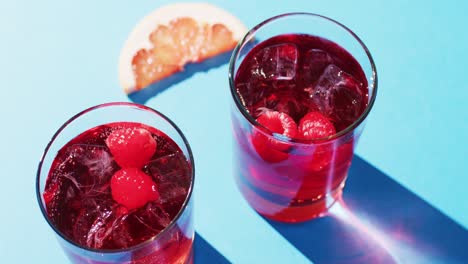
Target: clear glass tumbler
284 178
174 243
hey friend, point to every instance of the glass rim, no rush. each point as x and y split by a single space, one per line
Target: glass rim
249 36
146 242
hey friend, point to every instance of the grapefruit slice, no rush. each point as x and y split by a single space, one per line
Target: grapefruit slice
172 36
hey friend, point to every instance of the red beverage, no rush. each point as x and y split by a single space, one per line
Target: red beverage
300 93
298 74
121 189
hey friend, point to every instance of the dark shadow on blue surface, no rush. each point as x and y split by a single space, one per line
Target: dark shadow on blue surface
378 221
144 95
205 253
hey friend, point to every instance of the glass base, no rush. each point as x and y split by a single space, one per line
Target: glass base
292 213
181 254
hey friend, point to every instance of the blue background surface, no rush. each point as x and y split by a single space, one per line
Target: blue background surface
59 57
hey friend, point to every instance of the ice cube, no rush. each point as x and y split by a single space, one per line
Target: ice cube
285 101
152 217
317 57
278 62
102 226
110 229
172 177
171 192
99 230
315 61
169 168
254 92
121 234
337 92
97 159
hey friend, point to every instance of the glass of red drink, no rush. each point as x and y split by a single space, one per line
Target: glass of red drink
302 86
115 184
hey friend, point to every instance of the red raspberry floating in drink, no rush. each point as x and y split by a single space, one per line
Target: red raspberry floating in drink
131 147
314 125
133 188
270 149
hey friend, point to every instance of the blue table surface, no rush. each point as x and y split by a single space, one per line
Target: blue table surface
406 199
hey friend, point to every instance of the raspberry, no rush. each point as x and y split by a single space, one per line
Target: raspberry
131 147
270 149
314 125
133 188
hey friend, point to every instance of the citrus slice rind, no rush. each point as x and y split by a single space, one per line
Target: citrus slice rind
139 40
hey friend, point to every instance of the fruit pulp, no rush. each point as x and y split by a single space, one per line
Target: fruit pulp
289 176
79 201
183 41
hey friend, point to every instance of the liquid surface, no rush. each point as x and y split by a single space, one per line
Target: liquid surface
297 74
78 194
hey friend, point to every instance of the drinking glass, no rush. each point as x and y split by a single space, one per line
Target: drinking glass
311 176
171 245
